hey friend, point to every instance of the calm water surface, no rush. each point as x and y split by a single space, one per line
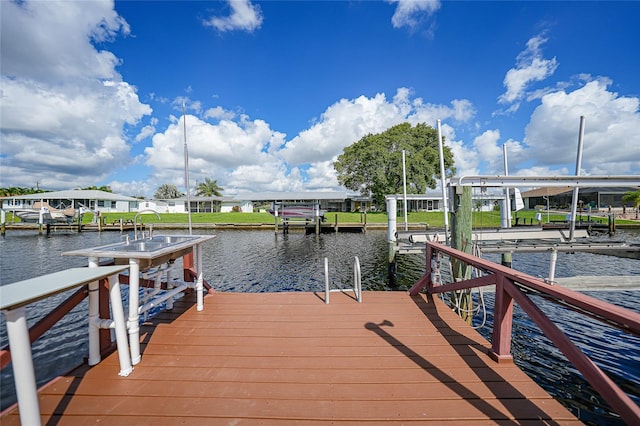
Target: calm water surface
260 261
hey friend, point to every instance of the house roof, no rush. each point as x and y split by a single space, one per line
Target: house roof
546 192
298 196
74 194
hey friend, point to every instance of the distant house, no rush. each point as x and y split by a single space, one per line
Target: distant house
179 205
331 201
95 200
228 204
432 202
560 198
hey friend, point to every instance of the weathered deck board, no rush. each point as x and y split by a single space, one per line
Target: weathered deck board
287 357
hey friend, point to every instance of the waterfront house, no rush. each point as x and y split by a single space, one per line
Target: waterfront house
331 201
92 199
594 199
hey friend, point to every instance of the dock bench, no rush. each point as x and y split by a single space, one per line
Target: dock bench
15 297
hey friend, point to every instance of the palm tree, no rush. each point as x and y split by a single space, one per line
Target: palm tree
633 197
208 188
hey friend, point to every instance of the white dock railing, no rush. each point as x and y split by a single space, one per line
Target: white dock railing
13 305
357 282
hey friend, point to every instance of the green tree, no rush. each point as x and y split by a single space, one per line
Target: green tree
14 191
208 188
633 197
167 191
104 188
373 165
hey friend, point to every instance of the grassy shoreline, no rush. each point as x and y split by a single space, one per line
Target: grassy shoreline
432 219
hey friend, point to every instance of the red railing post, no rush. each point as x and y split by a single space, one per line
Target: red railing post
502 323
188 266
428 270
425 280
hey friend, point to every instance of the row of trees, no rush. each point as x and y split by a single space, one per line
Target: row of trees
16 191
208 188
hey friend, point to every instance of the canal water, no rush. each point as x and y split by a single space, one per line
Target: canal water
261 261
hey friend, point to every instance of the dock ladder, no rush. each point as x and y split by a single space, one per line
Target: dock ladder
357 282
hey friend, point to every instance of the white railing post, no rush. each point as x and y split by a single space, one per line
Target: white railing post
326 281
134 301
23 371
94 316
200 281
120 326
357 279
169 305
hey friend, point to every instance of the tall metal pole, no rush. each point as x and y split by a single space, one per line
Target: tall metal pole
186 166
574 198
507 258
443 184
404 189
506 206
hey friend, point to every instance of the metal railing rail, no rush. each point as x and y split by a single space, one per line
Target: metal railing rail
357 282
513 285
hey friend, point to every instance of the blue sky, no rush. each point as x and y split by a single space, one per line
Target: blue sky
92 91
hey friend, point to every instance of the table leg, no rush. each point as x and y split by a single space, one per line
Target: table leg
120 326
134 300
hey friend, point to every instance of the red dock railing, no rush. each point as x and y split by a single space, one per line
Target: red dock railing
511 286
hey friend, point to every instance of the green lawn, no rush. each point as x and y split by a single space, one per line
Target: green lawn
433 219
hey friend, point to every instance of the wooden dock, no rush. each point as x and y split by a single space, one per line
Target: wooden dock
288 358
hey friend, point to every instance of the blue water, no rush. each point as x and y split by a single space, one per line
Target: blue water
260 261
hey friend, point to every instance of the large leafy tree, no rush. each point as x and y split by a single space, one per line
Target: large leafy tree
208 188
373 165
167 191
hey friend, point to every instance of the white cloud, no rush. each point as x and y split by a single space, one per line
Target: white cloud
51 41
409 13
246 155
347 121
219 113
244 16
612 129
213 148
530 67
61 96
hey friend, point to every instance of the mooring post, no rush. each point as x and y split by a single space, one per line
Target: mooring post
461 239
3 222
275 217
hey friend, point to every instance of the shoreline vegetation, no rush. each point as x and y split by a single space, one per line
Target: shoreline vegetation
422 220
430 220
